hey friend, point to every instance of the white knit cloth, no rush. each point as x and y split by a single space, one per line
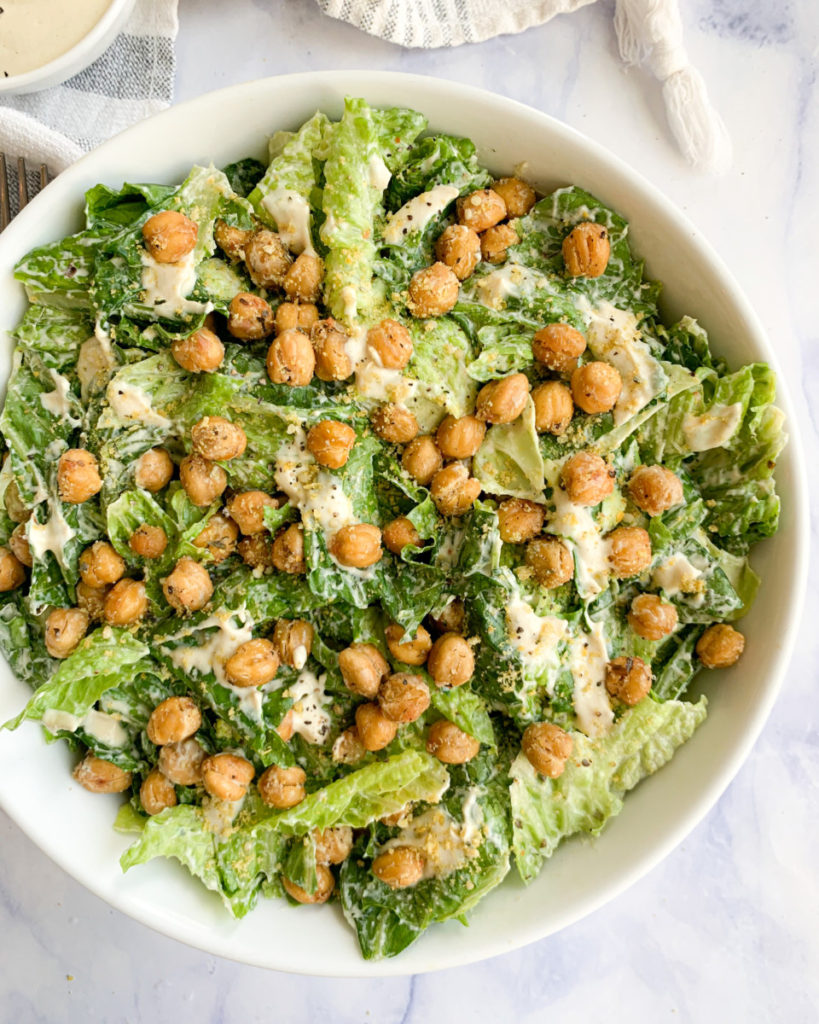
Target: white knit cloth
649 33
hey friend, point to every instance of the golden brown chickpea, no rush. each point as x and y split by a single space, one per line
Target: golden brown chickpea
459 247
333 845
282 787
403 697
357 546
502 401
154 470
91 600
64 629
173 720
630 551
460 438
399 868
188 587
100 776
450 744
148 541
200 352
101 564
204 481
78 477
547 748
253 663
518 196
451 661
433 291
125 603
296 316
391 344
720 646
587 478
288 549
302 282
554 407
250 317
481 209
550 561
156 794
325 883
329 344
520 520
169 236
655 489
586 250
182 762
410 652
231 240
375 730
18 513
422 459
286 727
267 259
330 443
293 640
628 679
362 668
652 618
218 537
394 423
257 551
453 490
12 573
218 439
399 534
496 240
246 509
558 347
348 748
596 387
227 776
451 619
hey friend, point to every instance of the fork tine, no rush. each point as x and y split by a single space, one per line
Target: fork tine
22 184
5 210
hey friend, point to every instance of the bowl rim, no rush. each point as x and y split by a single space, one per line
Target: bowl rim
357 82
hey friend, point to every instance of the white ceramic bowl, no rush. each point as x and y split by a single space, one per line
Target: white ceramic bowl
73 61
75 829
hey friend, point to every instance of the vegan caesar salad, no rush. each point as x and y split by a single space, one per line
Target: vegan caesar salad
363 524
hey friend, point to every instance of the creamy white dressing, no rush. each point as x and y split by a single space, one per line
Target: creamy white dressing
291 212
445 844
166 286
677 575
299 657
418 212
378 174
317 494
715 427
219 815
35 32
350 300
57 402
105 728
52 535
60 721
536 637
95 362
129 402
591 550
587 662
511 280
309 718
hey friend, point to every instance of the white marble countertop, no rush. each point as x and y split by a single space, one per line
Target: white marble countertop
727 928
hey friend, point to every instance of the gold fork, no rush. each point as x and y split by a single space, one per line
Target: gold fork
22 188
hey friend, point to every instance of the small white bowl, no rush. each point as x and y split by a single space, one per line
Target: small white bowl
76 59
74 828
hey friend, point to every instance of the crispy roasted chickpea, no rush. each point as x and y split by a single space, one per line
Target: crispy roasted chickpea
148 541
218 537
12 573
91 600
302 282
518 196
217 439
451 661
357 545
296 316
394 423
78 477
200 352
502 401
403 697
253 663
101 564
399 868
547 748
481 209
330 443
362 668
204 481
282 787
333 845
558 347
655 489
156 793
422 459
630 551
173 720
231 240
459 247
453 490
596 386
587 478
188 587
433 291
410 652
154 470
391 344
399 534
250 317
267 259
325 883
520 520
550 561
586 250
182 762
169 236
652 618
460 438
450 744
348 748
16 508
375 730
329 342
628 679
257 551
450 619
227 776
100 776
554 407
291 359
246 509
293 640
720 646
288 549
125 603
496 240
64 629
